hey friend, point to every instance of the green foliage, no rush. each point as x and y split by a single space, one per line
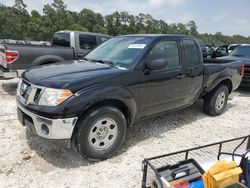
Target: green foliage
76 27
17 23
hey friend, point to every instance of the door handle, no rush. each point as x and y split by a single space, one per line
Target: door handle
80 55
180 76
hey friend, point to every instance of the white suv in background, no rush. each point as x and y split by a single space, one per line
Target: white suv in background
231 47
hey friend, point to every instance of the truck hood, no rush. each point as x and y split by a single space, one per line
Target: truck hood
236 58
69 74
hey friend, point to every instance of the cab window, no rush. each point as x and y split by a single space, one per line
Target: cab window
87 42
165 50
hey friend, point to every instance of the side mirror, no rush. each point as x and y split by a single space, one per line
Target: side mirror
157 64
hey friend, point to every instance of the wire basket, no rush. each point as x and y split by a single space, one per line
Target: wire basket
232 149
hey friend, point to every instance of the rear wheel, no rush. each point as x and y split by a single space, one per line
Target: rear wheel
100 133
215 102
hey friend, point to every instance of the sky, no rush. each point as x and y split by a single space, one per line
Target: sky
227 16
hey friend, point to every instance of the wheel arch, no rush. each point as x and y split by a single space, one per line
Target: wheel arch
110 102
228 83
45 59
120 105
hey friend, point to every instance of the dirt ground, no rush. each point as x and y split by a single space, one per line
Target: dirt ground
29 161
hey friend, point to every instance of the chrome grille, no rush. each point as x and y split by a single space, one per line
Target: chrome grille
37 95
25 89
28 93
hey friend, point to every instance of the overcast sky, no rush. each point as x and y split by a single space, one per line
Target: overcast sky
227 16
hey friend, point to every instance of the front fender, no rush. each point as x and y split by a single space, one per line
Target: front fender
94 94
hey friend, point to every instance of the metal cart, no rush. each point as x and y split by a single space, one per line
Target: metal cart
206 156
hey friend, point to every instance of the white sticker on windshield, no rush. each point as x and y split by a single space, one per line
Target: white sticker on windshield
138 46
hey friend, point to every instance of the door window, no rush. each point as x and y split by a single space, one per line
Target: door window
166 50
87 42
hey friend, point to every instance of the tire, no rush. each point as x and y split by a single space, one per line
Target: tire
216 101
100 133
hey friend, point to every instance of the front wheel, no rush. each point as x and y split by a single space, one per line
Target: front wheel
100 133
216 101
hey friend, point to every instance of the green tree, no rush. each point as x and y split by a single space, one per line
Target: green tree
192 28
20 6
35 26
12 23
17 23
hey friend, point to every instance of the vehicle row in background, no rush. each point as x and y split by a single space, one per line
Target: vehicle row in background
28 42
231 47
66 45
223 50
209 52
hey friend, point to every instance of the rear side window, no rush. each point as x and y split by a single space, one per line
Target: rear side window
191 52
87 42
61 39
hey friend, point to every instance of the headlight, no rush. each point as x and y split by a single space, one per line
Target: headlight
54 97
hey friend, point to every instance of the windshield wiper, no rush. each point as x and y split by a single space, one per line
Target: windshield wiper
103 62
98 61
85 59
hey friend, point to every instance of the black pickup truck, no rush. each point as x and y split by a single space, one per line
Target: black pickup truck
241 53
66 45
92 102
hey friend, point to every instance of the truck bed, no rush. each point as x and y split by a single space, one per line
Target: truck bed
34 55
217 69
216 61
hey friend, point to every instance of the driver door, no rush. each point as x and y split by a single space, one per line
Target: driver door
163 89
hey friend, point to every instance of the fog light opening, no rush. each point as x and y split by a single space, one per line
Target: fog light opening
45 129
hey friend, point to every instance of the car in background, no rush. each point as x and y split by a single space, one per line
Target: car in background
66 45
209 52
231 47
242 52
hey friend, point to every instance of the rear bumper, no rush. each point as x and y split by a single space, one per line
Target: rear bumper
45 127
5 73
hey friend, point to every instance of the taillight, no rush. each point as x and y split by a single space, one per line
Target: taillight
11 56
242 70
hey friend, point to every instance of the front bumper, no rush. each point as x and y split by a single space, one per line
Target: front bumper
45 127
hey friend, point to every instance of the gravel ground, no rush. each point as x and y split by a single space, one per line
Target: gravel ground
29 161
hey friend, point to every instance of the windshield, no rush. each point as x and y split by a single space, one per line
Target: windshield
232 47
241 51
119 51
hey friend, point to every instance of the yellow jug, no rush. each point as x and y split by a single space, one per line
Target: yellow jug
221 174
